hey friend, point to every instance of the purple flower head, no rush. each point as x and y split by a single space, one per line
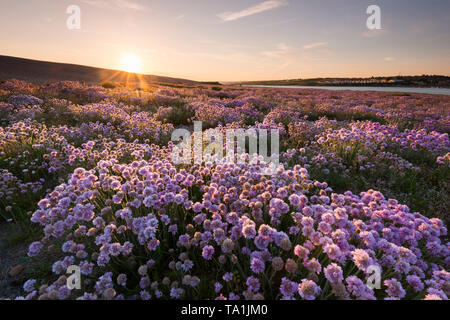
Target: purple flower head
29 285
208 252
308 289
253 284
34 249
394 288
257 265
334 273
227 277
288 288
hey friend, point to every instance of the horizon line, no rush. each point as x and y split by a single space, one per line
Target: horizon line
220 81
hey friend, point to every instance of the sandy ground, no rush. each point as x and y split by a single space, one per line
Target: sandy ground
11 256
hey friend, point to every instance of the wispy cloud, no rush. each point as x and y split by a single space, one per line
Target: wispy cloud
96 3
128 4
292 56
179 17
284 53
262 7
122 4
280 51
314 45
389 59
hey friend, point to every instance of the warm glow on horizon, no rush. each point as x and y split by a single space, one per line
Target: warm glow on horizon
130 63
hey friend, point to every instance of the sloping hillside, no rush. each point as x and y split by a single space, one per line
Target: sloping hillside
41 71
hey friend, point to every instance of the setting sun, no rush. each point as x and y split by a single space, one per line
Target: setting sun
130 63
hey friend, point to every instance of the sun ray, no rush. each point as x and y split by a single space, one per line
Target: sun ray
113 76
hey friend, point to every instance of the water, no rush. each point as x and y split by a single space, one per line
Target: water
382 89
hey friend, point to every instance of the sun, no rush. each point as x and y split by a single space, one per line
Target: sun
131 63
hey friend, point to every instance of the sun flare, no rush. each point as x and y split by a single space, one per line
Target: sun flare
131 63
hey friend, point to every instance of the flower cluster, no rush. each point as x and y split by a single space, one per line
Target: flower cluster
363 179
288 227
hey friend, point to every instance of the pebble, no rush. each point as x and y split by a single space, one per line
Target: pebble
15 271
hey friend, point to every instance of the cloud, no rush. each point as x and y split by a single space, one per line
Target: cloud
122 4
128 4
281 50
294 56
389 59
262 7
314 45
179 17
283 53
96 3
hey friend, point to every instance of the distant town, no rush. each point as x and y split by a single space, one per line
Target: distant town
395 81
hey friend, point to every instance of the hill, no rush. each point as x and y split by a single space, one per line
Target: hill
41 71
392 81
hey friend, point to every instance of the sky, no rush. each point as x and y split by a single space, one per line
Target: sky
234 40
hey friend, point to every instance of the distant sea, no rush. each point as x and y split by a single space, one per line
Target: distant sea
382 89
